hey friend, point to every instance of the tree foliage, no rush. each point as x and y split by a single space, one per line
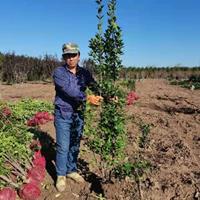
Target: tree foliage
106 48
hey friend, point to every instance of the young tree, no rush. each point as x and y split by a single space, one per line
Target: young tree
106 49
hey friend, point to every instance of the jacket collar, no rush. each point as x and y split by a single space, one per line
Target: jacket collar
78 68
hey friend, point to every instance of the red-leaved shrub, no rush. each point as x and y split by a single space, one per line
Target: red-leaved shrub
40 118
36 175
131 98
7 194
29 191
37 154
39 161
44 115
6 111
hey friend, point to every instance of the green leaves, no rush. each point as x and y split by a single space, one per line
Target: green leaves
106 47
134 169
112 130
16 138
110 137
14 157
26 108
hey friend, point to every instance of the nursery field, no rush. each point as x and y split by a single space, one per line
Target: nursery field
171 146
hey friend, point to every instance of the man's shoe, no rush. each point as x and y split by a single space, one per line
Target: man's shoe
61 183
76 177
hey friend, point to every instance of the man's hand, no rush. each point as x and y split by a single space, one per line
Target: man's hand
94 100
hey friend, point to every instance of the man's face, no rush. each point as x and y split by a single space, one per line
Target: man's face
72 60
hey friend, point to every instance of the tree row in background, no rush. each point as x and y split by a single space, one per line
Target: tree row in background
20 69
153 72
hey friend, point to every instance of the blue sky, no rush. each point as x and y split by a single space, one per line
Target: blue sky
155 32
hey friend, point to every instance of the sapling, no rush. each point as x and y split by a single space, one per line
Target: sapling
106 49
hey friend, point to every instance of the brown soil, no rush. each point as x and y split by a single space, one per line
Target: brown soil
173 146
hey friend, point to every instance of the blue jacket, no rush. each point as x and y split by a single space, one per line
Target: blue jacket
70 88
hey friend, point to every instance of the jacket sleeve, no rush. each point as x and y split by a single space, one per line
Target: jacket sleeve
68 87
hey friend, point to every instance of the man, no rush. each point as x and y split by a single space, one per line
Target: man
70 82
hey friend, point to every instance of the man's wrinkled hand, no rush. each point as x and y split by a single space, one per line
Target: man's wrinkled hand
94 100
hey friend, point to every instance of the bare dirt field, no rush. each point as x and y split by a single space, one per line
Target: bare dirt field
173 148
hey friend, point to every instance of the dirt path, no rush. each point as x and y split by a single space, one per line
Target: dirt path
173 114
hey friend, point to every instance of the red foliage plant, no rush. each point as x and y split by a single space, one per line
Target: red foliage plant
36 175
40 118
6 111
29 191
131 98
37 154
40 161
7 194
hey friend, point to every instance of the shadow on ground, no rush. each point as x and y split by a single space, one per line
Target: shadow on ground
49 152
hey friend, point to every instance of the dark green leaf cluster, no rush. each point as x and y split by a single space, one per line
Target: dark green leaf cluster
132 169
112 133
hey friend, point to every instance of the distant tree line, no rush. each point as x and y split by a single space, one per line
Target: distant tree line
175 72
20 69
